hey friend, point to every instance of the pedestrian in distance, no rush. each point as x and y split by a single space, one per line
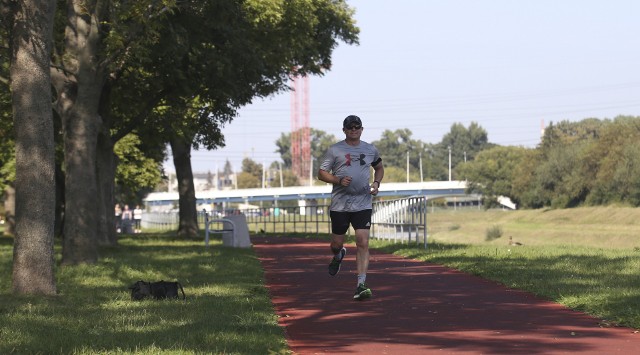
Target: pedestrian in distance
118 212
127 220
137 218
347 165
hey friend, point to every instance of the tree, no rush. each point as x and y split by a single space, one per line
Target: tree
614 162
289 178
464 143
282 177
136 172
394 147
255 59
97 43
252 167
491 173
560 175
33 271
227 170
187 227
396 174
111 70
524 190
251 175
7 143
567 132
320 142
248 181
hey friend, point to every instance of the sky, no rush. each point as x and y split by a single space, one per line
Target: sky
510 66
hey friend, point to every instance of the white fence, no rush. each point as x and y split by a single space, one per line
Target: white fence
400 220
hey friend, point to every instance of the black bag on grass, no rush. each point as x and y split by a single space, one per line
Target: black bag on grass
140 290
158 290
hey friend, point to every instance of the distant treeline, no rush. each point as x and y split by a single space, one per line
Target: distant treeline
591 162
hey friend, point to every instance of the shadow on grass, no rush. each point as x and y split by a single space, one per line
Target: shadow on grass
4 241
227 309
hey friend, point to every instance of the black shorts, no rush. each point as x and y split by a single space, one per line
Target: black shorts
340 221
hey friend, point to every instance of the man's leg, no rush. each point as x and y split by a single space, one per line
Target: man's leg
339 227
337 243
338 250
362 253
362 260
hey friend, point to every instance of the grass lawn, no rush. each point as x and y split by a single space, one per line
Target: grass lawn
587 259
601 282
227 310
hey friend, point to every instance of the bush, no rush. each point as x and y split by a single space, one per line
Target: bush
454 227
494 232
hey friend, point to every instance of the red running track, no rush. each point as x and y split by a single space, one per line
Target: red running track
418 308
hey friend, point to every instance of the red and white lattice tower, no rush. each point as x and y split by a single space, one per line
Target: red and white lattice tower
300 132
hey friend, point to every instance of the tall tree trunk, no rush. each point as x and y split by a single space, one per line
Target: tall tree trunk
81 127
33 261
78 102
181 150
106 165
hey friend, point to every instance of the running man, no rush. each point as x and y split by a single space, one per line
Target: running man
346 165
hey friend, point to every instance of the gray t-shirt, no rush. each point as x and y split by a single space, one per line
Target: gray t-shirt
342 159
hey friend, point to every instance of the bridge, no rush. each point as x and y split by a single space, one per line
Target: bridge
430 189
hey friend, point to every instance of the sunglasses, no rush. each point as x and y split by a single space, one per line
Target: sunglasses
353 128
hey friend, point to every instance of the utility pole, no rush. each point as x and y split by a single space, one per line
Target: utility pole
449 163
407 166
421 178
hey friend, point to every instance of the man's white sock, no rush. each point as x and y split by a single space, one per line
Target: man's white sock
362 278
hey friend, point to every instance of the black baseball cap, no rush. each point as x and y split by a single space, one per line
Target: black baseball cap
351 120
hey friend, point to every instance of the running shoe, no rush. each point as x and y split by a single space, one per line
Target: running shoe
362 292
334 265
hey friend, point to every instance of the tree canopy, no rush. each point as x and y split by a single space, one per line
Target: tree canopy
319 140
589 162
167 71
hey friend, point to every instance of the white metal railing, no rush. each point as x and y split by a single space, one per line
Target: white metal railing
159 220
401 220
310 219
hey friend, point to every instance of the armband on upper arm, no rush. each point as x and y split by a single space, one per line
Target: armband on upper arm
376 162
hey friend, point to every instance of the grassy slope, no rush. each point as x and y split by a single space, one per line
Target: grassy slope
585 258
606 227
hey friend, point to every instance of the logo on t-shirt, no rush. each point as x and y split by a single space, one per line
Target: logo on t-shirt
360 159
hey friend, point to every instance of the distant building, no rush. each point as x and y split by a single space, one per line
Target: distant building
205 181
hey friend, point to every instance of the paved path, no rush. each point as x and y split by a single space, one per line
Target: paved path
418 308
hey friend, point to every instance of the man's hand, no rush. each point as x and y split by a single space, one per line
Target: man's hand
374 189
345 180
